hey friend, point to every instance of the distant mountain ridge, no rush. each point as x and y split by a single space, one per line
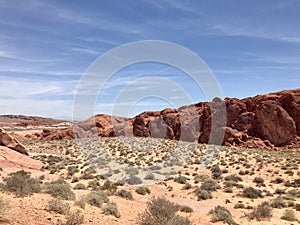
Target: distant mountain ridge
265 121
22 120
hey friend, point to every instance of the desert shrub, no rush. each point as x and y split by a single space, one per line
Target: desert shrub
133 180
296 183
261 212
185 208
187 186
234 178
203 194
259 180
289 215
297 207
72 170
97 198
150 176
210 185
74 218
5 209
80 203
111 209
180 220
219 213
278 180
181 179
60 190
161 211
94 185
56 205
109 186
75 179
216 172
21 184
199 178
125 194
80 186
250 192
228 190
143 190
239 206
278 203
279 191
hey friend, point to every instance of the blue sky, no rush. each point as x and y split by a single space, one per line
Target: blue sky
252 47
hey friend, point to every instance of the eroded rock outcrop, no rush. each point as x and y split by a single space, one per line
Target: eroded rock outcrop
10 142
264 121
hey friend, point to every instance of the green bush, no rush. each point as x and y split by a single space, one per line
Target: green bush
143 190
97 198
111 209
60 190
56 205
250 192
289 215
219 213
161 211
74 218
21 184
261 212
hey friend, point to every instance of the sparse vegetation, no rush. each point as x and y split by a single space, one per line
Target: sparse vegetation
97 198
162 211
59 189
74 218
261 212
143 190
219 213
289 215
21 184
125 194
57 205
111 209
250 192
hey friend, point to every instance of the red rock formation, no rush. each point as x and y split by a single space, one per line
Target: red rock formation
264 121
8 141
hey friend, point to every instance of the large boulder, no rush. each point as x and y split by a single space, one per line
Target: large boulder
10 142
275 123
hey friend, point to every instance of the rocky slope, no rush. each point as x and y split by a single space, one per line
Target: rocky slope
264 121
